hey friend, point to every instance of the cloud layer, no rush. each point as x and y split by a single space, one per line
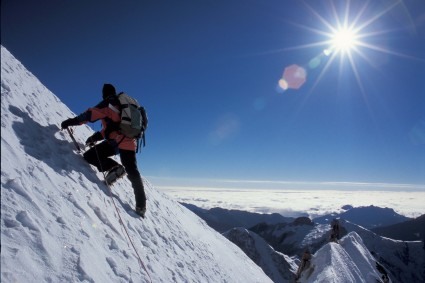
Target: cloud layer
303 199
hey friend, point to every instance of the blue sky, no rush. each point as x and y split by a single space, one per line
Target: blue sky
208 73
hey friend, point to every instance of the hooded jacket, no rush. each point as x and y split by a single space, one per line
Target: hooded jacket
108 111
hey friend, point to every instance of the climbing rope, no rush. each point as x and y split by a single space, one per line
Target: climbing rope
116 208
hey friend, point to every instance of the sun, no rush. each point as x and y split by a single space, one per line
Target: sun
348 35
343 40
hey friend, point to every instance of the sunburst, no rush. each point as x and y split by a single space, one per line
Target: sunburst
348 36
343 40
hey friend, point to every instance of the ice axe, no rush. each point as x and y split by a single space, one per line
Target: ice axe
73 140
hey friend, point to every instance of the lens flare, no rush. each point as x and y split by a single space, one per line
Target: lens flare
315 62
293 77
283 84
352 30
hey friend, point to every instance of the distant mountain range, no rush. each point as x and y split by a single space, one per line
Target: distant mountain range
221 219
411 230
402 261
278 266
293 238
365 216
370 217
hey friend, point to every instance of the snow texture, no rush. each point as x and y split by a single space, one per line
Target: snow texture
347 262
58 219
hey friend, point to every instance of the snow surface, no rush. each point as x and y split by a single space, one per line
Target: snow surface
404 260
59 223
349 261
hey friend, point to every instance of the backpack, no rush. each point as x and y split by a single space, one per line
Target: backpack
134 120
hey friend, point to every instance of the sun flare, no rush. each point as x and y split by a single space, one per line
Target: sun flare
350 35
343 40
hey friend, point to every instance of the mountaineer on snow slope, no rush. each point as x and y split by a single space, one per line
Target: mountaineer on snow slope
114 142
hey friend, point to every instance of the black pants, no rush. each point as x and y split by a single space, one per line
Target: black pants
99 156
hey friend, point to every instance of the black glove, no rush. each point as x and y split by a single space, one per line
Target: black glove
70 122
94 138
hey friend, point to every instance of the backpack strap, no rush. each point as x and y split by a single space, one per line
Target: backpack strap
138 145
140 141
143 139
113 108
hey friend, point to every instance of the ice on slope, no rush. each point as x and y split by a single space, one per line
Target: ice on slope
59 224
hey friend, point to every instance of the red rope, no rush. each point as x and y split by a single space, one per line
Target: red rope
116 208
126 231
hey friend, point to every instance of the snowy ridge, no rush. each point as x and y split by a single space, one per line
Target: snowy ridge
404 261
343 262
58 222
349 261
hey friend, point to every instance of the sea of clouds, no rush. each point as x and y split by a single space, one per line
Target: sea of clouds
294 199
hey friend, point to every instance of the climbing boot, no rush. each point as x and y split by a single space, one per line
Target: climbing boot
114 174
141 211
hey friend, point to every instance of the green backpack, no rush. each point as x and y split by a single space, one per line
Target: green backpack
134 120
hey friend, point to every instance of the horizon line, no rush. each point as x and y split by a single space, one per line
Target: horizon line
208 183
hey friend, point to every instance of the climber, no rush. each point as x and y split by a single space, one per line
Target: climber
113 142
334 230
305 262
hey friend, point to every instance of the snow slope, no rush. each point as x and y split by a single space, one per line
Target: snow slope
59 223
349 261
